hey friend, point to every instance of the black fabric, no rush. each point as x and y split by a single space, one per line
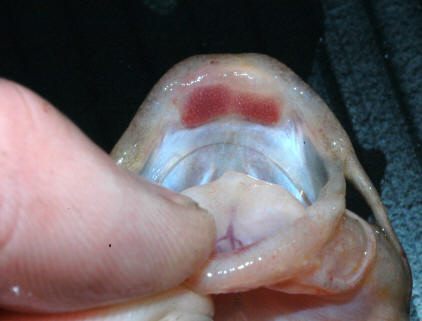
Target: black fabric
96 61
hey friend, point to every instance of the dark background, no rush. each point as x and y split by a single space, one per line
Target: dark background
97 60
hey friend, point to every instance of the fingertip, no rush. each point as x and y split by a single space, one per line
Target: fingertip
20 103
199 231
180 237
176 304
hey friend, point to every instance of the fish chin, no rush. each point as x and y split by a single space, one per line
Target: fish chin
246 139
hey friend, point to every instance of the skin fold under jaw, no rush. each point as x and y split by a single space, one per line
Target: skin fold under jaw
250 142
244 137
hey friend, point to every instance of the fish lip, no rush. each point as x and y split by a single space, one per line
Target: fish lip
325 215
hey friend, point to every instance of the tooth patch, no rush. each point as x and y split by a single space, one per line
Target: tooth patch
213 101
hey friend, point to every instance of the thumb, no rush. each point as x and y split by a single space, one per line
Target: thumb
77 231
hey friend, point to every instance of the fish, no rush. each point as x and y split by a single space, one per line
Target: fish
244 137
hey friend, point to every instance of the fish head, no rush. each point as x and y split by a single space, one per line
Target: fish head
248 140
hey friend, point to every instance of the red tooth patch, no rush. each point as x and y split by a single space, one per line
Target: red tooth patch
263 110
210 102
206 103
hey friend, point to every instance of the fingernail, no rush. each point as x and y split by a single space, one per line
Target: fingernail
183 200
166 193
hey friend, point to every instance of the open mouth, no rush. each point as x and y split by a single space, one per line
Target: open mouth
223 117
247 140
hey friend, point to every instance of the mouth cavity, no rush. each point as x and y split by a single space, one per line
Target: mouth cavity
231 117
281 155
247 133
238 148
257 171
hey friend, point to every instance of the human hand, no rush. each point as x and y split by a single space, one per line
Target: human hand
77 231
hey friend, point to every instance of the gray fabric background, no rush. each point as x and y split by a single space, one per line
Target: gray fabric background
370 66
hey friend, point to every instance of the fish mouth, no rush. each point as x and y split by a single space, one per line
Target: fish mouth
226 121
214 114
248 113
283 155
215 155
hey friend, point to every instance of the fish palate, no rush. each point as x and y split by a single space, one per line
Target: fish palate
249 141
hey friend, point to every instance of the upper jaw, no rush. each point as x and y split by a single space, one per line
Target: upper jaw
177 144
164 110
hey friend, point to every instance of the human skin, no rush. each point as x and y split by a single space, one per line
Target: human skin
77 231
